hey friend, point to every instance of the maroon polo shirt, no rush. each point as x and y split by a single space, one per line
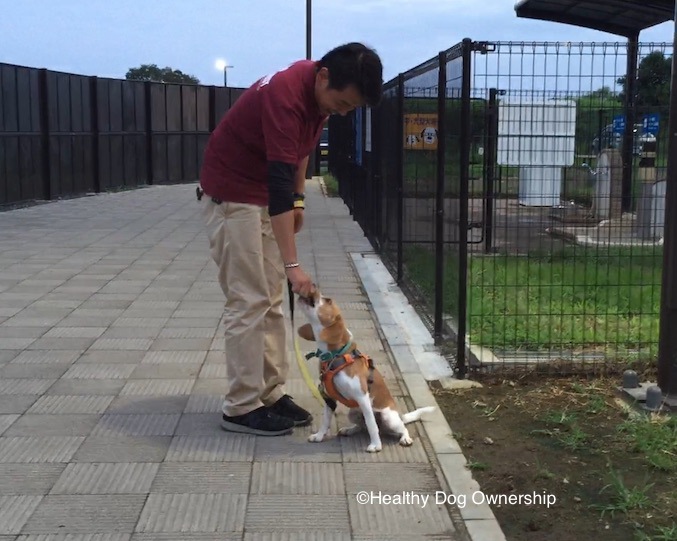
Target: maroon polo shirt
276 119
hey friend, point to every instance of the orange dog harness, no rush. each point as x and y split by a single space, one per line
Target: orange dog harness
330 365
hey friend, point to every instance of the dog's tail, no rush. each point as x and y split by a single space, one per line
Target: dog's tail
416 414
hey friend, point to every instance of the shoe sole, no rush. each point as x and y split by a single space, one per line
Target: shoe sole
234 427
305 422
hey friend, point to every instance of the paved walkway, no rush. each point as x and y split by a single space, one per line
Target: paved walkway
111 376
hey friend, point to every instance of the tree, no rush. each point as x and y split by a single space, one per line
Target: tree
653 81
151 72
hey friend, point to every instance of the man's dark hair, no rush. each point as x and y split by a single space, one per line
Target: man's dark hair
355 64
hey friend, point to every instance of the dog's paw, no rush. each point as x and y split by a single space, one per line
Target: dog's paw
373 448
317 437
406 441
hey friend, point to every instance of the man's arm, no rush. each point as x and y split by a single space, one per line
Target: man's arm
300 181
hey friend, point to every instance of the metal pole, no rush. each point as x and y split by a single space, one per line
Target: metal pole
439 192
309 53
400 177
629 134
463 210
225 76
667 341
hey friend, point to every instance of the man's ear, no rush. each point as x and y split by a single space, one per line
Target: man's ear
306 332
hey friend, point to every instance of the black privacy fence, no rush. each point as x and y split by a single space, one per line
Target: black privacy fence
517 192
64 135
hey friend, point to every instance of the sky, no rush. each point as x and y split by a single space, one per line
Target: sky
257 37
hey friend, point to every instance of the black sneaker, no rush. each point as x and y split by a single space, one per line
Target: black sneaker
286 408
260 421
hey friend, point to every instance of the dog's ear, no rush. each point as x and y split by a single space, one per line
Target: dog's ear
306 332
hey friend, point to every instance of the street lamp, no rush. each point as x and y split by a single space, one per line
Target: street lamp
222 65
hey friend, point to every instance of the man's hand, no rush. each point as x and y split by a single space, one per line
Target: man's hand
301 284
298 220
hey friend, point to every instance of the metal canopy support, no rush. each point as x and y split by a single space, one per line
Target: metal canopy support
667 342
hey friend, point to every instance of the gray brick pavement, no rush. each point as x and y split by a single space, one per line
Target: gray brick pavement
111 374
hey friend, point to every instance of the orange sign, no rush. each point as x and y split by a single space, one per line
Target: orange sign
420 131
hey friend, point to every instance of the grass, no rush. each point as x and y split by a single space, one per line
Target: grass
624 499
655 438
331 184
576 298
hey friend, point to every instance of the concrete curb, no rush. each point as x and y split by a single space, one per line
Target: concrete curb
415 354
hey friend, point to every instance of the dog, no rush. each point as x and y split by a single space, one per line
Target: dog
349 376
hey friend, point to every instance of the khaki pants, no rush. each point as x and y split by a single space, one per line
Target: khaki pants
251 275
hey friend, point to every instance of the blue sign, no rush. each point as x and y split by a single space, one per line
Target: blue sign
651 123
619 124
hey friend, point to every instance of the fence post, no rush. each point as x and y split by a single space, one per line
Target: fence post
667 341
400 175
464 145
43 93
439 195
149 132
96 140
491 130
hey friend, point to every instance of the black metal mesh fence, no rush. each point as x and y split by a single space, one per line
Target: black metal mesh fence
522 207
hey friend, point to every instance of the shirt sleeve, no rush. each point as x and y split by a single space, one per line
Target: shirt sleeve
282 120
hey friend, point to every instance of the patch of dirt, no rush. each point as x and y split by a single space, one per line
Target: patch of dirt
562 438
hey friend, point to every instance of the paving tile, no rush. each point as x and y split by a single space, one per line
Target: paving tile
287 512
16 403
75 332
86 514
6 355
188 513
33 371
25 386
194 536
16 343
138 344
297 478
74 387
167 371
174 357
222 448
390 478
104 356
6 421
296 447
123 449
149 333
211 371
99 371
76 537
14 512
204 403
148 404
418 518
181 344
63 404
136 425
55 344
53 425
158 387
203 478
354 450
206 424
209 386
187 332
135 322
106 478
38 449
307 535
16 479
47 357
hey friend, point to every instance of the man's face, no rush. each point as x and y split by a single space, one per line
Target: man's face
331 101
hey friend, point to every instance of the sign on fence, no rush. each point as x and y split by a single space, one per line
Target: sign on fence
420 131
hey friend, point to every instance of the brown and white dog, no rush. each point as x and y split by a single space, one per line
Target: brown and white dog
356 382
